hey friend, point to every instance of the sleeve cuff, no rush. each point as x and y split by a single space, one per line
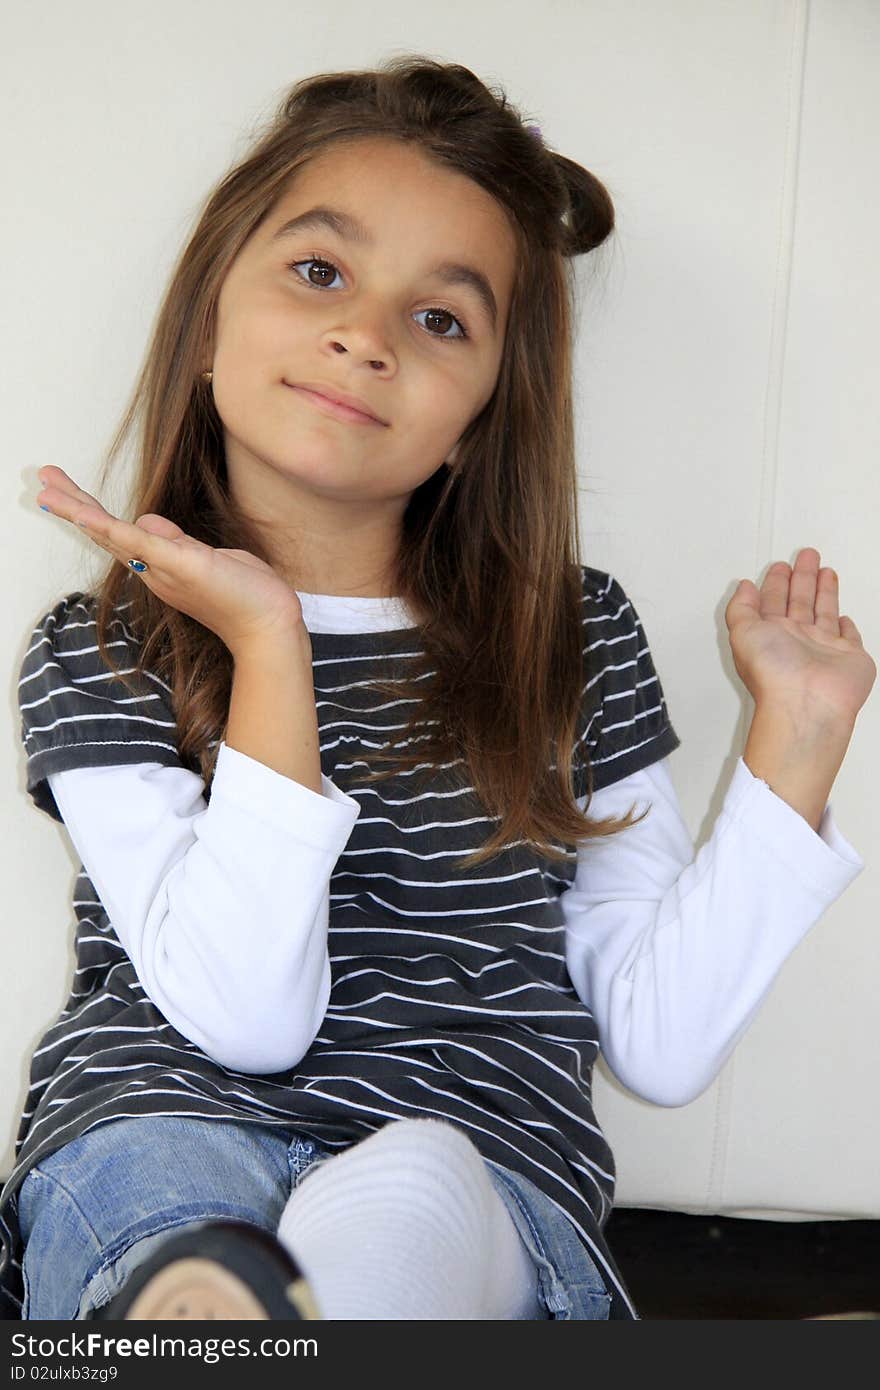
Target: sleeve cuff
827 859
284 802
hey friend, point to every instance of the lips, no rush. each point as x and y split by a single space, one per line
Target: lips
339 405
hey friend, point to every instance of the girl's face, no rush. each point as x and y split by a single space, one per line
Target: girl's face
362 307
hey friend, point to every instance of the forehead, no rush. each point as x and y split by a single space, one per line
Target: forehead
402 197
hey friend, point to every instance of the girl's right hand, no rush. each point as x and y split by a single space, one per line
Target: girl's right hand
237 596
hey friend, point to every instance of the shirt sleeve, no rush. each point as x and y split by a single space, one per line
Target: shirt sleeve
221 904
624 724
76 712
223 909
673 952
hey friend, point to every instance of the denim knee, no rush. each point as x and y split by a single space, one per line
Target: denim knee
95 1207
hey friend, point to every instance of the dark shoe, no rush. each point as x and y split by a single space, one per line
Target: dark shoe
226 1270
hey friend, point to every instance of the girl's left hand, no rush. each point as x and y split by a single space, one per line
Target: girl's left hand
791 647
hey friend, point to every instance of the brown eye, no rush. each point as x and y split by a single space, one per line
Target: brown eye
436 312
440 314
324 266
448 314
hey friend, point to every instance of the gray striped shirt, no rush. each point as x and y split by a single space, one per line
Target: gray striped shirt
461 1006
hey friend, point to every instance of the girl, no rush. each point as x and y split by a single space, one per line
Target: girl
332 1026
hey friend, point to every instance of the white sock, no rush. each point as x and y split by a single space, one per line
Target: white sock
406 1224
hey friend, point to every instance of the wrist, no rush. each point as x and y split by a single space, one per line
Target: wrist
798 757
285 643
804 723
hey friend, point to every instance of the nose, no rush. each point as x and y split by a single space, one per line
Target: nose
365 336
376 362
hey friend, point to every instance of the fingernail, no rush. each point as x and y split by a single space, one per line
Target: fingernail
43 507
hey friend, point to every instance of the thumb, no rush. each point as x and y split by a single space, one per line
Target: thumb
745 600
156 525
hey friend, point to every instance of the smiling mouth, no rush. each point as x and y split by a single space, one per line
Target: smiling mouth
334 408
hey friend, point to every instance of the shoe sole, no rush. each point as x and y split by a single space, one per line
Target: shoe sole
225 1271
195 1289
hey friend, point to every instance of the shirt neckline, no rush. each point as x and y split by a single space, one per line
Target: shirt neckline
350 615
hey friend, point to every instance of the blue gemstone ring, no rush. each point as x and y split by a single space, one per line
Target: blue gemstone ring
138 565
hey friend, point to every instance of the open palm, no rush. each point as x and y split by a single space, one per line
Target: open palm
790 645
233 593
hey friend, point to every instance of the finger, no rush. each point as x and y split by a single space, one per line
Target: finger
744 601
802 590
148 543
56 480
65 501
161 526
849 630
828 603
774 590
124 541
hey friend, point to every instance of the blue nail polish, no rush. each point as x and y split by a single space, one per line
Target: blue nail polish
43 508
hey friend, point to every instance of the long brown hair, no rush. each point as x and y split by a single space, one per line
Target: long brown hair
489 547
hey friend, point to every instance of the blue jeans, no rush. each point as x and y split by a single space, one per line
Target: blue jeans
93 1210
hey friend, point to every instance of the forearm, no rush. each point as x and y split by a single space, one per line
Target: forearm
675 966
798 758
273 717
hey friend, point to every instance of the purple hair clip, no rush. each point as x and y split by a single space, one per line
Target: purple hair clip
536 131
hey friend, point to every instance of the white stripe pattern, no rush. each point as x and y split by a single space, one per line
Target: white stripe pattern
450 995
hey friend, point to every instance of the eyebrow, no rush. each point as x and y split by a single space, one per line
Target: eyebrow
346 226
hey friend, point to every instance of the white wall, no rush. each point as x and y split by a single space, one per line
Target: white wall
725 379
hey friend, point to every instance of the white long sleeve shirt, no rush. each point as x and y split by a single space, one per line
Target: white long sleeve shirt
672 954
209 932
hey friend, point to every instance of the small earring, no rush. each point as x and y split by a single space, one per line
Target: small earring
207 376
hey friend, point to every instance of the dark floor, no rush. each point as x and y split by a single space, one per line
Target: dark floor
678 1266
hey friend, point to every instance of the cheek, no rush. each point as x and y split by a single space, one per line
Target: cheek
433 424
243 392
450 397
229 402
257 331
